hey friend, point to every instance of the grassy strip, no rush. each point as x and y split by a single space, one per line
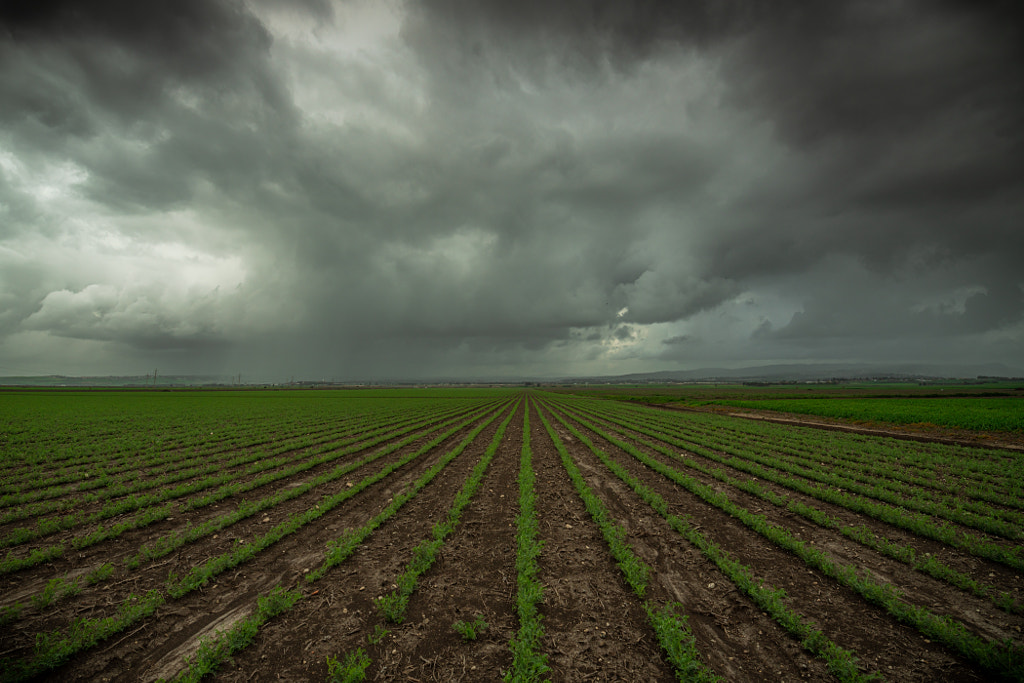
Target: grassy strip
969 469
670 628
201 575
528 663
340 550
977 413
1002 659
841 662
393 604
214 652
57 647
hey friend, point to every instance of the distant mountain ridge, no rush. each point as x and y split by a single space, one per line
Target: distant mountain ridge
788 372
808 372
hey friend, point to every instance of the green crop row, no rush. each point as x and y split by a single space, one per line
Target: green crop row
877 489
171 542
529 664
920 524
57 647
928 564
669 626
1002 659
340 550
393 604
53 649
841 662
200 576
212 653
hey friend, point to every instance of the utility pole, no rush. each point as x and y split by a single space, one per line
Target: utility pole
154 377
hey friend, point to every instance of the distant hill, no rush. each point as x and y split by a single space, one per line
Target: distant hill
792 372
809 372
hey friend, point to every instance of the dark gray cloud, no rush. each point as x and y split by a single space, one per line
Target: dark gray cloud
381 188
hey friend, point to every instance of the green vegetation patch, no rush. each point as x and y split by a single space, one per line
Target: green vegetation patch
983 413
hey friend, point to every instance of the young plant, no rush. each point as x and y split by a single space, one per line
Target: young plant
469 630
55 590
350 669
101 573
528 662
378 634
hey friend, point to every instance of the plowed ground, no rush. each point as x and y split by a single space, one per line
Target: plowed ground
595 627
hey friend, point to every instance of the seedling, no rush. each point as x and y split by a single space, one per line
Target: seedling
469 630
350 669
378 634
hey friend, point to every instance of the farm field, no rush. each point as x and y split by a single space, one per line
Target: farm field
981 414
481 534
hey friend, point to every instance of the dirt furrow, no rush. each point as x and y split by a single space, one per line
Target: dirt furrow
475 574
594 627
338 612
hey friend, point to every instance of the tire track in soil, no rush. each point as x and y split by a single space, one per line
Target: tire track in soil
585 595
735 638
922 589
475 573
899 652
178 621
21 585
341 613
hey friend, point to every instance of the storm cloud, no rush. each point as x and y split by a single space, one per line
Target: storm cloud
372 190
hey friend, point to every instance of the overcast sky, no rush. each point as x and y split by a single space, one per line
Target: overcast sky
375 189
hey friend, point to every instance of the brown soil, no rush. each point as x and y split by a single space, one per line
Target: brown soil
595 627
